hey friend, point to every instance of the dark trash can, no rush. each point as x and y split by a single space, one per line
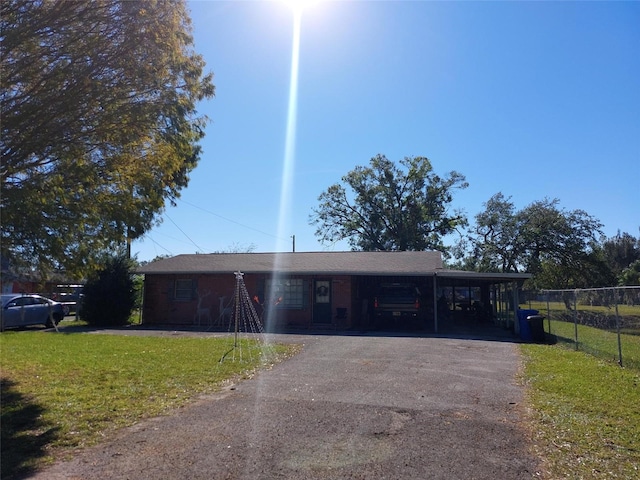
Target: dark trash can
525 327
536 326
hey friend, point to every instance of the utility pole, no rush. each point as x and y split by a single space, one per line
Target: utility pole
294 243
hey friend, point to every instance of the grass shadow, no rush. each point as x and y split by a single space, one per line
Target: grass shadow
24 434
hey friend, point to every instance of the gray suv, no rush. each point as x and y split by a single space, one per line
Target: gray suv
397 303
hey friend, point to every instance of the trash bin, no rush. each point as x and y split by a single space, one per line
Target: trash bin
536 327
525 327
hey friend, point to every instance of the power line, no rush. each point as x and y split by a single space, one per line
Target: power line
232 221
196 245
156 243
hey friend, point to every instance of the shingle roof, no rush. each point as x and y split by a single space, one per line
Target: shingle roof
301 263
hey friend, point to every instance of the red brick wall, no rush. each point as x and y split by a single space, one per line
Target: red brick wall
161 308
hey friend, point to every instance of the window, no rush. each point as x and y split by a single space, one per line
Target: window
289 290
184 289
21 302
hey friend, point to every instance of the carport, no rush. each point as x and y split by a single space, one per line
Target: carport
455 301
472 299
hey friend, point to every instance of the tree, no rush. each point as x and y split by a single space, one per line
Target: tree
550 233
621 251
583 270
109 295
557 245
99 124
384 207
237 247
495 241
630 275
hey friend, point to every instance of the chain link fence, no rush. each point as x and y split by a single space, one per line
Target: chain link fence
604 322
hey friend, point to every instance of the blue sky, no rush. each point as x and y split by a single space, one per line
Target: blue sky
531 99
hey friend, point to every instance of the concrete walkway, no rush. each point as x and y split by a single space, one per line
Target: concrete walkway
360 407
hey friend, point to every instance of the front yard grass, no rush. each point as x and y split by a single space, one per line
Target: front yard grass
586 421
62 391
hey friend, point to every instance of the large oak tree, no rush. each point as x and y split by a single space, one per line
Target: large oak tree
621 251
558 246
384 206
99 124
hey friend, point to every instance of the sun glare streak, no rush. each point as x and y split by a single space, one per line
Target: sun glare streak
284 214
297 6
288 164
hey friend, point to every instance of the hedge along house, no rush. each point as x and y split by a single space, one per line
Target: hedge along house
314 290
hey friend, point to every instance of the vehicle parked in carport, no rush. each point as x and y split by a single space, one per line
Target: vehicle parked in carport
69 301
397 302
69 295
19 310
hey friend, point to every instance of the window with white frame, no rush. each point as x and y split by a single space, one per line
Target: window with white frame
286 292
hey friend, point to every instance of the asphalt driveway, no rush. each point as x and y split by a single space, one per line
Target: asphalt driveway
359 407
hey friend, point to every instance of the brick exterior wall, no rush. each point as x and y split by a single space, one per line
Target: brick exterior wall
211 301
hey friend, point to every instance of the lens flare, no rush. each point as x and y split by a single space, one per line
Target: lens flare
297 6
290 140
288 164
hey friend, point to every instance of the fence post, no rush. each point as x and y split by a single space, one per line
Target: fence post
548 313
615 300
575 316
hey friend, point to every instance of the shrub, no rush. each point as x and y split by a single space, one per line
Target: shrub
110 293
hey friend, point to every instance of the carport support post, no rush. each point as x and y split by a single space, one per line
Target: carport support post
516 304
435 303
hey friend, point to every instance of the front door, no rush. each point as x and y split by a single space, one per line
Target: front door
322 302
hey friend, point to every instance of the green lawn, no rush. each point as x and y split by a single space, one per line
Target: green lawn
597 332
585 415
600 343
61 391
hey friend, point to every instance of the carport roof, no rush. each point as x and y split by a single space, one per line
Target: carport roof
458 276
301 263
